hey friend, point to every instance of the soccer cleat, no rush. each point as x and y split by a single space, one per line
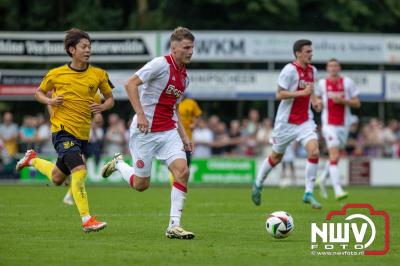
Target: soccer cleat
26 160
342 196
179 233
256 195
309 198
93 226
109 167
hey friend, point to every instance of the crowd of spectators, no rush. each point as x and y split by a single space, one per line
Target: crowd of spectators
212 137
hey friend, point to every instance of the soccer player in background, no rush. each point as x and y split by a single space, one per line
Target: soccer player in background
155 92
190 112
294 120
73 87
338 94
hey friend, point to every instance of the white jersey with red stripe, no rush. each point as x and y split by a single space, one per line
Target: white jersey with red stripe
163 86
294 77
337 115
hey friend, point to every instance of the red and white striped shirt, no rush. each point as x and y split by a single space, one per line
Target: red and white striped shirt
163 86
294 77
334 114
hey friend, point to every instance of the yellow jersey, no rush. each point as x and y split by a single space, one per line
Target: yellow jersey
189 110
79 89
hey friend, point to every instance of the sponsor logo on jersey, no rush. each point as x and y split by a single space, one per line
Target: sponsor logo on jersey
174 91
303 84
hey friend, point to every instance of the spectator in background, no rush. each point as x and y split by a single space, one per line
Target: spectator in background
253 122
202 139
353 145
263 137
115 135
27 133
221 139
373 136
213 123
251 126
9 134
43 136
235 139
389 138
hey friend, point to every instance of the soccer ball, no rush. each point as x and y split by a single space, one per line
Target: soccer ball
279 224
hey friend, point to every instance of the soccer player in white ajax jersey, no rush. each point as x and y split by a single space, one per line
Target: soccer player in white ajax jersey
338 94
294 120
155 92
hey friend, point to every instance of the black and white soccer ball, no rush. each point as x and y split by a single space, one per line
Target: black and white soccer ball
279 224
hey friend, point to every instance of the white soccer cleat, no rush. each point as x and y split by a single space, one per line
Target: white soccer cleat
179 233
109 167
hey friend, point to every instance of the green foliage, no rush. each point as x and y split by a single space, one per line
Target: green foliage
305 15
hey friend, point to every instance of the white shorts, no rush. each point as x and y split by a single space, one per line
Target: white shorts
335 136
284 133
166 146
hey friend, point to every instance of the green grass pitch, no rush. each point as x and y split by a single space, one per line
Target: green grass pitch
36 228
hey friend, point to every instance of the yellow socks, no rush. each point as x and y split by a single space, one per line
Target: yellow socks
79 192
43 166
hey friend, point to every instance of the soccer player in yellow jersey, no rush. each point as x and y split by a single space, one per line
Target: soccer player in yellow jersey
189 112
73 87
69 198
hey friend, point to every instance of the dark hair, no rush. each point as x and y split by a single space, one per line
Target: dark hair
181 33
298 45
73 37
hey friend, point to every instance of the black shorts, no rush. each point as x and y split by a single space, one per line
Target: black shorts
66 143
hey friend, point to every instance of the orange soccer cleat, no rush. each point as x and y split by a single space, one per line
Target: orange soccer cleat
93 226
25 161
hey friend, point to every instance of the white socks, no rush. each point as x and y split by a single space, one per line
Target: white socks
85 218
266 167
126 171
311 173
335 178
325 173
178 195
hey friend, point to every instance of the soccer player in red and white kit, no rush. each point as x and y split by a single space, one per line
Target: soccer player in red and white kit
155 92
294 120
338 94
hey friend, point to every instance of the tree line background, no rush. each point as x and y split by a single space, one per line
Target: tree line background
273 15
